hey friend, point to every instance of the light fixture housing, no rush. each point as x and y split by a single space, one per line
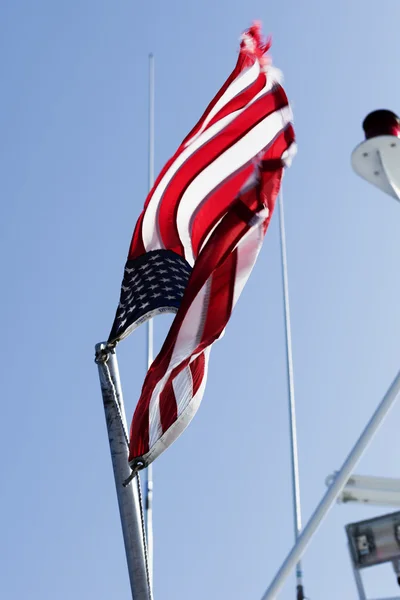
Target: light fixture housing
377 158
375 541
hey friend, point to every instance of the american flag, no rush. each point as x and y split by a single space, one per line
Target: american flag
198 237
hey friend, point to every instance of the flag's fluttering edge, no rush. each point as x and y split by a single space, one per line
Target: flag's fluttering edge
198 238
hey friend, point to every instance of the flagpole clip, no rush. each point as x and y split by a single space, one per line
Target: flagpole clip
138 465
102 356
103 353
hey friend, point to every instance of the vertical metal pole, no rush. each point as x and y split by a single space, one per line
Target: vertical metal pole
150 334
128 499
358 579
292 402
359 584
334 490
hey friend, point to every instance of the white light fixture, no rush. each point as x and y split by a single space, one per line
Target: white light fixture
383 491
377 158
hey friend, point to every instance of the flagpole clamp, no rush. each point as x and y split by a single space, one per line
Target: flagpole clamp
102 355
138 466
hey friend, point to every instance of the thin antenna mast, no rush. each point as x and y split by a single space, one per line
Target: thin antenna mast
292 403
150 333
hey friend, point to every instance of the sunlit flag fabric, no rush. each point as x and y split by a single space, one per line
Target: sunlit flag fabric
198 238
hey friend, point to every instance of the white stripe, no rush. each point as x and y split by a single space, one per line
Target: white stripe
247 252
150 234
244 80
187 340
222 167
183 389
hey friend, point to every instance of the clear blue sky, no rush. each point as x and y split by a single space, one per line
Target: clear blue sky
73 145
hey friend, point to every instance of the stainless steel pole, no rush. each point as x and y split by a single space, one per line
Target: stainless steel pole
128 498
336 487
292 402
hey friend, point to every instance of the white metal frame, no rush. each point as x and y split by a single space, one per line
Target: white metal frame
387 178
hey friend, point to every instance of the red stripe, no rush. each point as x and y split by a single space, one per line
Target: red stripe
197 368
139 431
205 155
221 299
275 150
168 408
137 246
168 405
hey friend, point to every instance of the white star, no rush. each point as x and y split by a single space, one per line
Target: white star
154 257
174 269
122 323
139 287
132 308
151 278
144 267
164 279
170 297
153 287
157 264
177 277
144 304
167 289
170 260
181 287
129 270
155 295
125 289
142 296
162 271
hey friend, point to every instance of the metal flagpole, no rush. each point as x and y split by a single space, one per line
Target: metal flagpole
334 490
150 352
292 403
129 501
